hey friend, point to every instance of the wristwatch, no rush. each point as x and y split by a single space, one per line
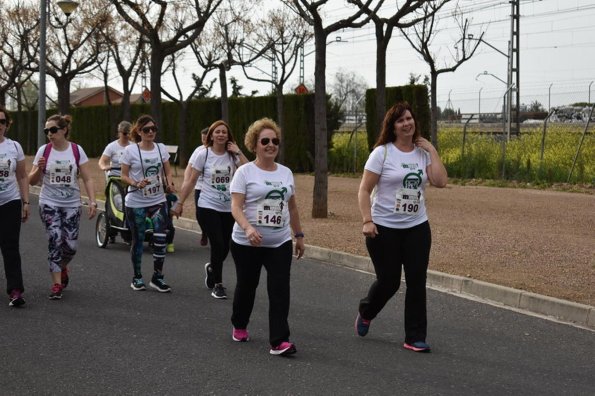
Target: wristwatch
299 235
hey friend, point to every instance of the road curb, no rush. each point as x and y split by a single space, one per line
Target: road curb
554 308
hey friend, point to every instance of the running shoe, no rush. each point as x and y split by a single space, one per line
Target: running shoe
16 298
219 291
56 292
64 277
361 326
209 281
240 335
283 349
159 284
417 346
138 284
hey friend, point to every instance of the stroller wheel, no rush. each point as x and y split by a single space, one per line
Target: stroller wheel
101 230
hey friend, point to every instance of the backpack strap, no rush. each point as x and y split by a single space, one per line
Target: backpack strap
77 153
46 153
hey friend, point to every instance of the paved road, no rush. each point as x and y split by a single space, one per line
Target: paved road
103 338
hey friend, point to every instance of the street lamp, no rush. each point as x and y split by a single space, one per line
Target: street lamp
591 83
337 39
68 7
506 111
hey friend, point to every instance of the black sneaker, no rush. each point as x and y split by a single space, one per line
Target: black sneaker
16 298
219 291
56 292
159 284
209 281
138 284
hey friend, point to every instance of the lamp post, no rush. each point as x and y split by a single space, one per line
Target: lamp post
507 108
591 83
68 7
479 107
549 98
337 39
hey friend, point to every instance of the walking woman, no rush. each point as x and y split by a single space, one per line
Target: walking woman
198 186
395 222
109 162
14 209
146 169
57 165
264 207
217 165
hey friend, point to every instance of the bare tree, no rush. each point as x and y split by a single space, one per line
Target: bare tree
312 13
284 34
348 89
423 35
167 27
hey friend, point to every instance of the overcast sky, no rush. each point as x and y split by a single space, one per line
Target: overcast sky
557 48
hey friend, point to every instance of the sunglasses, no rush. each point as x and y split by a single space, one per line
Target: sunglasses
149 129
51 130
3 121
265 141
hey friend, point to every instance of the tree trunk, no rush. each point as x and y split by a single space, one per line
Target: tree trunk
63 85
3 97
434 108
224 98
380 80
125 104
320 193
155 68
281 121
183 133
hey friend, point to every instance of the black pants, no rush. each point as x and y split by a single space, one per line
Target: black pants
249 261
10 213
218 227
389 250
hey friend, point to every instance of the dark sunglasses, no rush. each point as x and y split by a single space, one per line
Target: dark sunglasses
3 121
51 130
148 129
265 141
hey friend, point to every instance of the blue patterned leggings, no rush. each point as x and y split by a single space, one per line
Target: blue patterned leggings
62 230
137 222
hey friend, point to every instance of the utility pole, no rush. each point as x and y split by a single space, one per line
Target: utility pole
514 68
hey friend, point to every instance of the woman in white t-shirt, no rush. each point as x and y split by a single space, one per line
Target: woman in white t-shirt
146 169
109 162
14 209
57 165
395 222
264 206
198 185
217 165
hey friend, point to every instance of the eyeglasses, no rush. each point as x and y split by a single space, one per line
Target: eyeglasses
3 121
51 130
149 129
265 141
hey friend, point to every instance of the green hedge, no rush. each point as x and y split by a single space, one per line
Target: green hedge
416 95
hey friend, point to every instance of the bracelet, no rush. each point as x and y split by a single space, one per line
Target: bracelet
25 202
299 235
94 204
239 152
366 222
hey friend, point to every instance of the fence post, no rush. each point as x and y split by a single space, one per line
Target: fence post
465 136
543 135
580 144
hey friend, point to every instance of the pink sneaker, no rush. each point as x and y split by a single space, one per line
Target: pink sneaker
56 292
283 349
240 335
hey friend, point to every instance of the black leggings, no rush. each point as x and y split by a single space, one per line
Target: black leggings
249 261
10 213
389 250
218 227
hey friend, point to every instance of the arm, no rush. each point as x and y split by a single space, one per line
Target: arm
167 169
89 187
237 211
23 183
36 173
235 150
436 170
190 177
294 220
104 163
369 181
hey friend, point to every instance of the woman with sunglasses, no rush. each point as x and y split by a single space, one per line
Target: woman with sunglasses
146 169
217 165
14 209
264 206
109 162
57 165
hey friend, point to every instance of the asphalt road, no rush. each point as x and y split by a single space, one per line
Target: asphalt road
103 338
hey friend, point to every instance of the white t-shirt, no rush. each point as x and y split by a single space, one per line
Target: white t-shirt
217 171
115 152
267 194
399 200
10 153
152 169
60 179
200 148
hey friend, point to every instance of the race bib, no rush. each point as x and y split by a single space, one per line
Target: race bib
61 173
220 178
269 213
154 186
407 200
5 168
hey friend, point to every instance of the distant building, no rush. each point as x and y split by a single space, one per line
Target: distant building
97 96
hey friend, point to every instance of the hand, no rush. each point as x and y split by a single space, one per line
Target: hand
232 148
41 163
171 189
299 248
253 236
424 144
25 213
92 210
370 230
142 184
177 209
